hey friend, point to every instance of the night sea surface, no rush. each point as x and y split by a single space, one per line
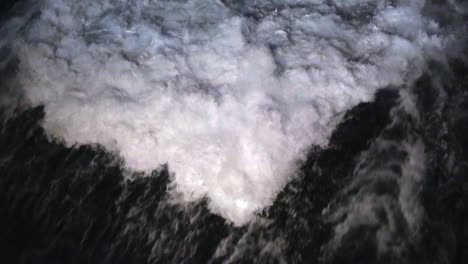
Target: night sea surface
223 131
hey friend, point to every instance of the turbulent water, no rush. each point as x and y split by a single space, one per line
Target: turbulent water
205 131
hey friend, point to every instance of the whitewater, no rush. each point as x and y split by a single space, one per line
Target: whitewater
229 95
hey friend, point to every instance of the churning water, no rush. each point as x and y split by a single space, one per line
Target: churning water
208 131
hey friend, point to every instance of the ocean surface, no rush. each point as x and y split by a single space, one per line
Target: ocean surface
206 131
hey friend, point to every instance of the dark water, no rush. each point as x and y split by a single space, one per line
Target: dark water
73 205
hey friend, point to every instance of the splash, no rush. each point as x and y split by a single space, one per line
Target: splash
229 96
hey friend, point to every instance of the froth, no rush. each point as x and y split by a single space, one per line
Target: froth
228 102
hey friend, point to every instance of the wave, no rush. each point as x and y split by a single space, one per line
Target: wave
230 96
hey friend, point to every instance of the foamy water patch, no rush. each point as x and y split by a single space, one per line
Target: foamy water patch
230 103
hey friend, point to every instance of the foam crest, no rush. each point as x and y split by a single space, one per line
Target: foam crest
229 102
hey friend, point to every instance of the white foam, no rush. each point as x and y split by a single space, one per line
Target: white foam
179 83
396 216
